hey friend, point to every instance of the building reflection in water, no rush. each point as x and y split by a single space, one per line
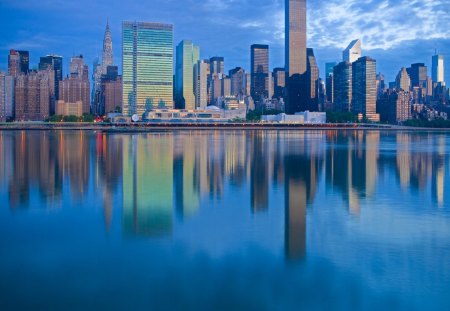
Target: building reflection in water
151 178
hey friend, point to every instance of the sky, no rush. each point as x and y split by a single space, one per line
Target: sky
395 33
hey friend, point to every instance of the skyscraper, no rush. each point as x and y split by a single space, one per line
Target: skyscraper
107 55
295 54
418 74
364 87
237 76
353 52
76 87
147 64
279 82
217 65
259 58
201 73
32 95
437 69
342 93
55 63
6 96
312 86
403 81
188 55
395 106
13 63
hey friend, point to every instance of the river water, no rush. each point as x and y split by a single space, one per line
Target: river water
224 220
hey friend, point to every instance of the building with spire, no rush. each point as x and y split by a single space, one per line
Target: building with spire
437 68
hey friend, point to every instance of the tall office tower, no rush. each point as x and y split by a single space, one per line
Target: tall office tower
248 83
24 61
395 106
342 93
111 91
188 55
329 85
55 63
147 66
216 88
201 73
237 76
73 89
329 67
33 94
364 87
226 86
14 63
99 70
217 65
108 54
295 54
403 81
437 68
312 81
418 74
6 97
2 97
353 52
279 82
78 69
259 58
381 85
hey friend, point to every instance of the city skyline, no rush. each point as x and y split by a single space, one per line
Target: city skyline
402 48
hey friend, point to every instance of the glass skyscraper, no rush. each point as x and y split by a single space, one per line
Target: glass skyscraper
295 53
260 71
188 55
437 68
147 64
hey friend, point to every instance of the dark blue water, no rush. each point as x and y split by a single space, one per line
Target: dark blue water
224 221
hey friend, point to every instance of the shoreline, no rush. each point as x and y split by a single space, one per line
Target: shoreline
150 127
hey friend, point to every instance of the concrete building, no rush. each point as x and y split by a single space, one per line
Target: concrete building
33 94
69 109
237 76
18 62
226 86
74 89
201 73
403 81
6 97
217 65
353 52
112 94
306 117
147 66
395 106
364 88
78 69
55 63
188 54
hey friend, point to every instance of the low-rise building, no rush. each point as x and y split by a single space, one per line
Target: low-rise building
69 109
306 117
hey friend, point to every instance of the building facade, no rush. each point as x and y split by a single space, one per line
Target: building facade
237 76
437 68
353 52
201 73
312 86
73 89
147 64
55 63
364 87
342 81
403 81
187 56
259 59
33 93
295 54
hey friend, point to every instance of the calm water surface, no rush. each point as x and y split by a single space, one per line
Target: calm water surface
216 220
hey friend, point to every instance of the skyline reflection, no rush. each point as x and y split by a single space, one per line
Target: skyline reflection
159 180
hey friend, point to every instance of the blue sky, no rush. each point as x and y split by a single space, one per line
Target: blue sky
395 33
